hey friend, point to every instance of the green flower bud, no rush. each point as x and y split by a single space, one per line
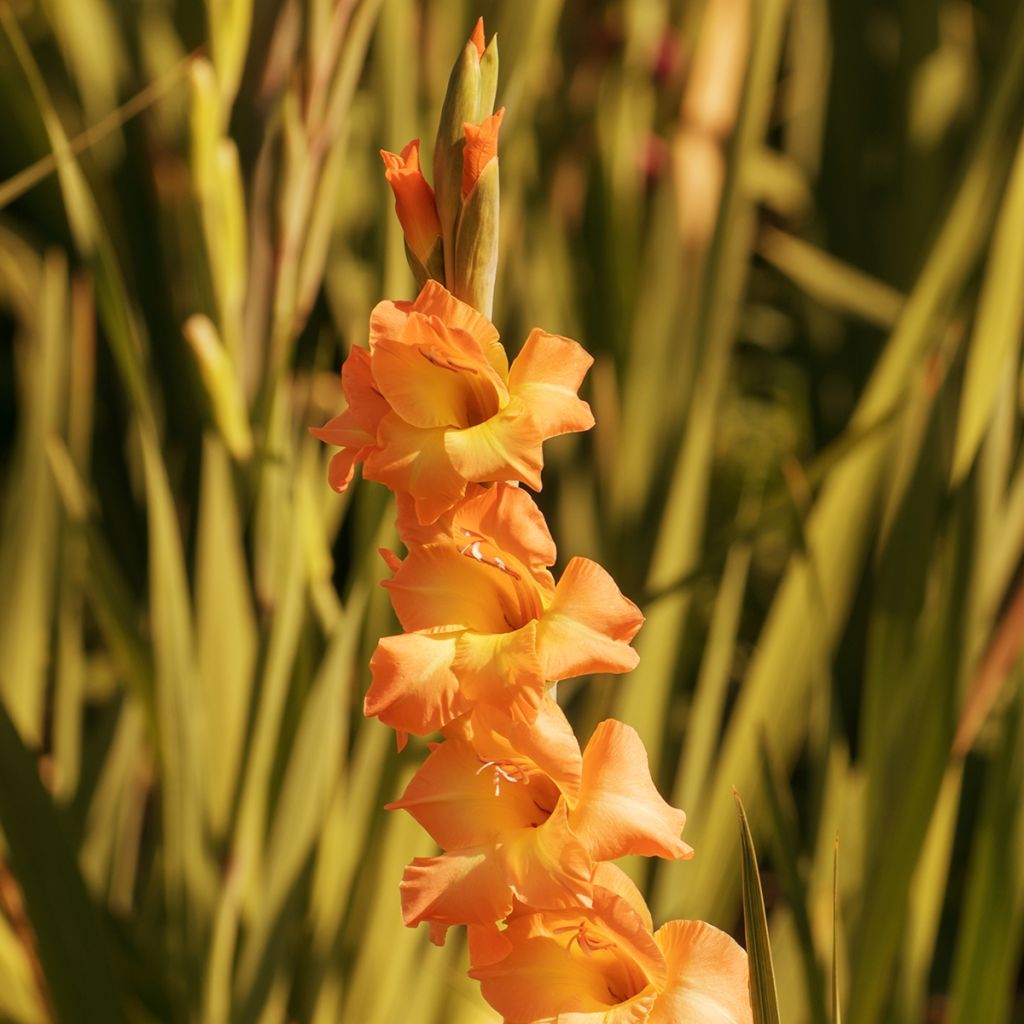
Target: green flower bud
476 236
469 99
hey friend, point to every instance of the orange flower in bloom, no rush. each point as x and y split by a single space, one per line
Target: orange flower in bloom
414 200
602 965
485 623
521 814
434 404
481 148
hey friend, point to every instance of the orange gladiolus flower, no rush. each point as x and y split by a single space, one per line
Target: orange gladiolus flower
485 622
434 404
522 815
602 965
414 200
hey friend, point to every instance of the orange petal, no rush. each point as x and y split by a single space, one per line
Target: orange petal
576 962
501 669
463 799
341 468
620 811
438 586
509 527
391 560
388 320
435 300
414 200
356 427
611 877
475 885
545 865
487 944
538 981
412 531
413 688
344 431
413 460
365 403
548 866
508 517
436 375
462 887
548 742
546 374
588 626
480 149
355 430
707 977
505 447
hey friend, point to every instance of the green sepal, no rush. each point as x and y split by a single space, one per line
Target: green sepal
461 104
476 243
433 268
488 80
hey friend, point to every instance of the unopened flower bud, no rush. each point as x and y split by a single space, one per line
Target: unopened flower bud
476 240
469 99
417 212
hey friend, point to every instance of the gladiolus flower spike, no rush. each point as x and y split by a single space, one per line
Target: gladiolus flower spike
527 822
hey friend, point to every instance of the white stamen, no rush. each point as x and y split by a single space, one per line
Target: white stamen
499 774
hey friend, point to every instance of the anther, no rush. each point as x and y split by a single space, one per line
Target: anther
444 363
472 550
499 774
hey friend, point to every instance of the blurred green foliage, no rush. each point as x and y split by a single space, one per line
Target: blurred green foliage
792 236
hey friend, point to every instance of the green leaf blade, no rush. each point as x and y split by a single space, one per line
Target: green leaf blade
764 1000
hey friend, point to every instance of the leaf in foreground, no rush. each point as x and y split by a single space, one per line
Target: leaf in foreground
763 999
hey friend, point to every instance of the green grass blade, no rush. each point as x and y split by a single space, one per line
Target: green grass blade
705 720
784 829
928 891
681 529
901 803
995 346
20 998
30 525
764 1000
990 938
88 230
837 1012
70 937
798 631
831 281
178 694
226 638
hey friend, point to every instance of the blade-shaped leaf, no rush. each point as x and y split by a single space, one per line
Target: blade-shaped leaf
763 998
837 1015
70 939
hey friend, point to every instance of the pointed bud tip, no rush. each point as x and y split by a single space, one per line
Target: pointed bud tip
477 37
408 159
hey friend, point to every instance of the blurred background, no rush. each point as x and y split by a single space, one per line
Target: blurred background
791 232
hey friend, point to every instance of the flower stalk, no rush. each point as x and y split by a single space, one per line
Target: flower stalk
528 824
